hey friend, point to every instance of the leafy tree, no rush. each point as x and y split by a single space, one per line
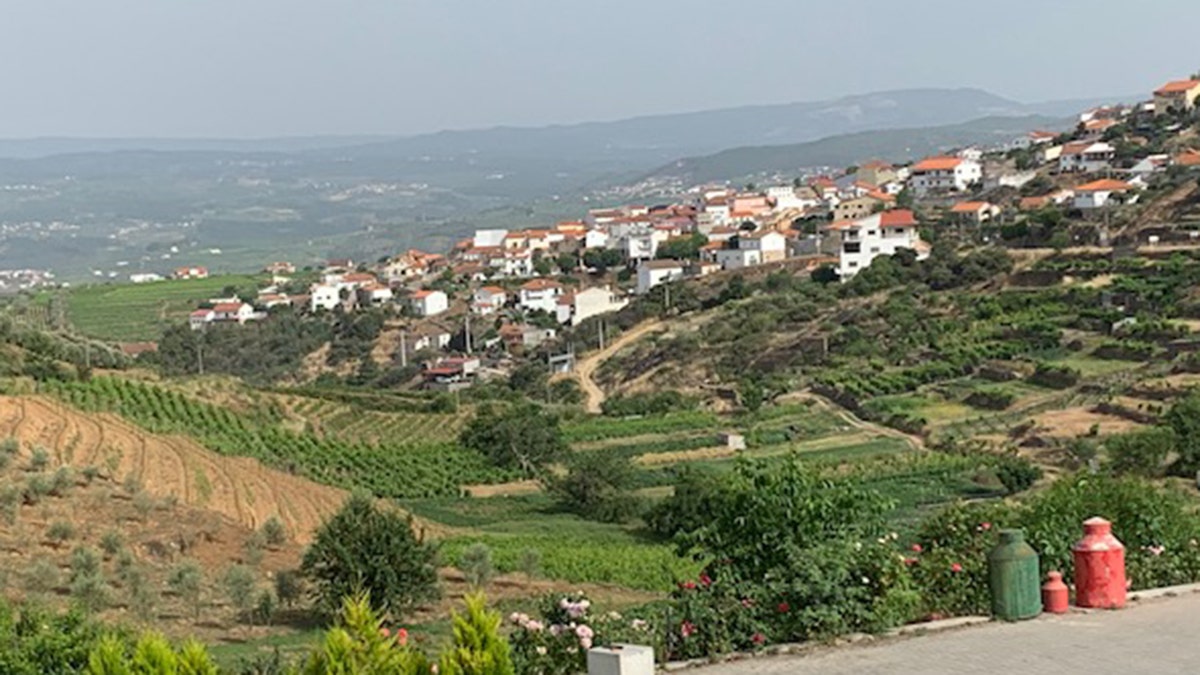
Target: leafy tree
690 505
521 436
1184 420
596 486
151 654
239 587
273 532
367 548
187 581
1142 452
478 648
602 259
37 641
682 248
567 262
530 563
289 587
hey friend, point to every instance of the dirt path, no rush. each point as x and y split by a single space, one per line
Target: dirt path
913 441
586 367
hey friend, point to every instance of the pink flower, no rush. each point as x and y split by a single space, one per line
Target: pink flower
402 636
687 629
747 603
956 568
984 527
584 632
783 607
688 585
910 561
705 580
917 548
758 638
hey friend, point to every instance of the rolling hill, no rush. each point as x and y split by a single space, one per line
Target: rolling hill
895 145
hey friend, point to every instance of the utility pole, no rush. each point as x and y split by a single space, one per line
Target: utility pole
600 328
467 331
403 350
200 354
667 296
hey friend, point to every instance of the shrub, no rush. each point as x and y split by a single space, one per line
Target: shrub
991 399
273 532
530 563
39 459
289 587
478 647
239 587
151 654
476 565
1016 474
60 531
360 643
42 576
1142 453
651 403
366 548
187 581
523 437
1054 377
111 544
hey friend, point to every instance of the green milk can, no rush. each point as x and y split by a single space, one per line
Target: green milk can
1014 577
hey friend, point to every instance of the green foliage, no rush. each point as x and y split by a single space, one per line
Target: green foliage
273 532
364 547
260 350
289 587
60 531
478 648
649 403
682 248
596 486
239 584
36 641
150 655
690 507
476 565
1143 452
1184 419
361 643
521 436
992 398
187 581
1054 377
1016 473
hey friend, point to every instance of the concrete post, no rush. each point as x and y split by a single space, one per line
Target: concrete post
621 660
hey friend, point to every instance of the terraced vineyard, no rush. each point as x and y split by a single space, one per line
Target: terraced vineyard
386 469
342 421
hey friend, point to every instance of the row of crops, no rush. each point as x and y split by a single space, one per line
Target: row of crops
394 428
397 470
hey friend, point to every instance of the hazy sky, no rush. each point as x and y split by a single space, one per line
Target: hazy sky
290 67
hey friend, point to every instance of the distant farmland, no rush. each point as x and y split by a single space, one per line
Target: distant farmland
133 312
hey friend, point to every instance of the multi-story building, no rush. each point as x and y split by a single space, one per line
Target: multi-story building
944 174
883 233
1086 157
1177 96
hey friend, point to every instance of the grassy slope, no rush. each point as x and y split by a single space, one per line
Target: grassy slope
130 312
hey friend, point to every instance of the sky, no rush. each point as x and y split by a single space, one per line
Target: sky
262 68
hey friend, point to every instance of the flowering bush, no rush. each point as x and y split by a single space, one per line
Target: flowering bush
557 643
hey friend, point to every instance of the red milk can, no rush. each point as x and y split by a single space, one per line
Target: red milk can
1055 594
1099 567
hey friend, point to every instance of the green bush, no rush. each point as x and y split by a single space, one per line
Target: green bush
991 399
1054 377
365 547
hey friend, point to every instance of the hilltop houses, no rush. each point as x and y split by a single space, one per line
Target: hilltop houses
573 308
540 294
654 272
1086 157
223 311
1177 96
193 272
879 234
428 303
944 174
1100 193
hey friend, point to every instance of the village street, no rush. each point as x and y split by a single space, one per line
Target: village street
1155 636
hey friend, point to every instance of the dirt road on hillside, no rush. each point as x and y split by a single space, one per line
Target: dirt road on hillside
586 367
914 441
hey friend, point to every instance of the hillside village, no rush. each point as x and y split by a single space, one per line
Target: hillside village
515 290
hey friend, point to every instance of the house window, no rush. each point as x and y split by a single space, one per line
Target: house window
853 263
852 247
874 249
870 233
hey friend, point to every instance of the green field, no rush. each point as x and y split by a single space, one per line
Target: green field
133 312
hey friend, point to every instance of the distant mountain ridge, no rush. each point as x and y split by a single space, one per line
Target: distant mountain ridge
893 145
648 140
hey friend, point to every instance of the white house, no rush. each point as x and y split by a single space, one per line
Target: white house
1101 193
1086 157
145 278
573 308
540 294
944 174
975 212
654 272
595 239
878 234
324 296
639 246
375 294
238 311
737 258
200 318
428 303
770 244
488 238
488 300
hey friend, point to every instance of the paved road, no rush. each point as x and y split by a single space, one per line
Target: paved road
1156 636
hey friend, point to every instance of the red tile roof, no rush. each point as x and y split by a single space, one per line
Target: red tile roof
938 164
897 218
1104 185
227 307
1177 87
969 207
540 285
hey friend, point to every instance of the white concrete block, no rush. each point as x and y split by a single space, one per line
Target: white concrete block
621 660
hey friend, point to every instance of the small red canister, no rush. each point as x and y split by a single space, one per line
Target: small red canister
1055 594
